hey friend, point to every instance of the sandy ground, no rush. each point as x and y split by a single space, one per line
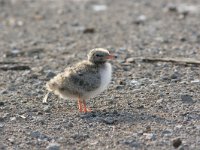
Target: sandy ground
148 105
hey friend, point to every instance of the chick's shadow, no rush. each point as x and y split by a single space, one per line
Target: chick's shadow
116 117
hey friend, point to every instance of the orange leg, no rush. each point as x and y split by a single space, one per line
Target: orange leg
80 105
85 109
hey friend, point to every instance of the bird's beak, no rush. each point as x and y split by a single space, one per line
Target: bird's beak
111 56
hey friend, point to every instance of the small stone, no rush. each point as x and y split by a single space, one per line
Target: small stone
183 39
13 118
195 81
3 147
186 99
12 88
140 20
53 146
109 120
34 51
177 142
171 7
35 134
175 75
50 74
1 104
70 124
134 83
197 127
140 107
11 140
140 132
4 92
119 87
75 24
178 126
186 9
38 135
162 40
60 12
20 23
99 7
131 143
130 60
159 101
149 136
1 125
88 30
121 82
46 108
167 132
122 49
148 128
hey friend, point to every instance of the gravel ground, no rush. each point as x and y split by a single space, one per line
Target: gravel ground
149 105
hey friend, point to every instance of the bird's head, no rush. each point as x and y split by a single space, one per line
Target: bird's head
99 55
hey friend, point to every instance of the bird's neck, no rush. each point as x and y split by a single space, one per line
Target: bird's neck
99 64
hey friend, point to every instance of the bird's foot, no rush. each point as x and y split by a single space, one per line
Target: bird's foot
82 106
87 110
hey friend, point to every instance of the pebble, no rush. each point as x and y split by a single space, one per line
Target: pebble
182 8
167 132
50 74
46 108
13 118
109 120
150 136
122 49
119 87
1 125
88 30
130 60
4 92
159 101
183 39
178 126
11 140
162 40
177 142
140 19
135 83
3 147
38 135
175 75
1 104
99 7
186 98
186 9
131 143
35 134
197 127
53 146
70 124
171 7
195 81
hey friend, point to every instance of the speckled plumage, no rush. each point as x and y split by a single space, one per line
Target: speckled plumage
77 80
85 79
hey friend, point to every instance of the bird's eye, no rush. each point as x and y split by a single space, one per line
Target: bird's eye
98 55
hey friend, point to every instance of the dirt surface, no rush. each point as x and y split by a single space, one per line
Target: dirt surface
148 105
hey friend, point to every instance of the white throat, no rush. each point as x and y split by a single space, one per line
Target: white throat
106 75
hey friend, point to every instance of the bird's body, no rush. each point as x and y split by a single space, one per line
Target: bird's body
85 79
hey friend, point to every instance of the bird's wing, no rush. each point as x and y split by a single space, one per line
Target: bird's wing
83 78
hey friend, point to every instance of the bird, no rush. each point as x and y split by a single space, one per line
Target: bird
83 80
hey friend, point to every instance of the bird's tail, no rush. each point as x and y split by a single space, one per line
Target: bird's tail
51 85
